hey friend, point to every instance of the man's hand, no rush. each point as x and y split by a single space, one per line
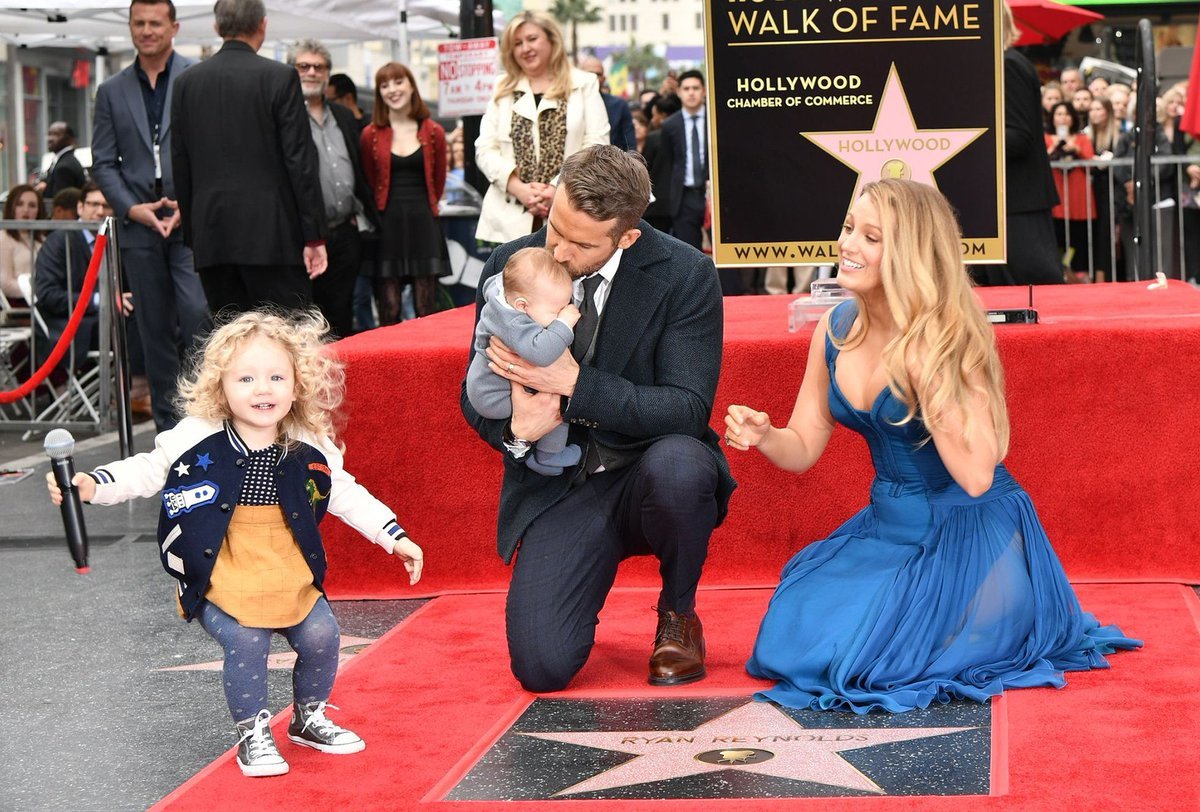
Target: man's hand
126 302
534 416
147 215
559 378
316 260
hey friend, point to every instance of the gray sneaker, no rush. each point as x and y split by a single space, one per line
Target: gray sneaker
257 754
311 728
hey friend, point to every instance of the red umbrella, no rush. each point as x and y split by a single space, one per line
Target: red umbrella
1045 21
1191 108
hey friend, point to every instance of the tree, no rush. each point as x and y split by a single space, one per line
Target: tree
641 59
575 12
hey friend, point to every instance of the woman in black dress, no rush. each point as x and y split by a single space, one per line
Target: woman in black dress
404 157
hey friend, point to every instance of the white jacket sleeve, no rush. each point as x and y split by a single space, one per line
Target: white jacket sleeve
354 504
493 150
595 116
145 474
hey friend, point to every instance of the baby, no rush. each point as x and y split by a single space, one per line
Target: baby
528 307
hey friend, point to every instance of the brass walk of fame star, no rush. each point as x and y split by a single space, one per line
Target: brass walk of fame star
894 147
756 737
348 647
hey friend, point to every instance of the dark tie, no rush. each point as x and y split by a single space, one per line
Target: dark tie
697 156
589 317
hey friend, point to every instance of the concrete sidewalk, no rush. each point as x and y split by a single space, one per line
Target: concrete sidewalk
115 699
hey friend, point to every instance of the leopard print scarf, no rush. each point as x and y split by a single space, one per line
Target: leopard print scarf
552 138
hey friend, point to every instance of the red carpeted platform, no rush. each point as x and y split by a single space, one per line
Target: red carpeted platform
433 694
1102 394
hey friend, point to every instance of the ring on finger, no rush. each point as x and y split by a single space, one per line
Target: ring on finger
510 368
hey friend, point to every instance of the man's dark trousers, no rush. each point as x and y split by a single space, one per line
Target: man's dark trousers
333 291
663 504
232 289
168 302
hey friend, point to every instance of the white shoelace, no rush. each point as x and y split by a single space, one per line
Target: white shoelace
316 719
261 741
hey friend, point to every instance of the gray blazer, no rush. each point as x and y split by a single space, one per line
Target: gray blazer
123 152
654 372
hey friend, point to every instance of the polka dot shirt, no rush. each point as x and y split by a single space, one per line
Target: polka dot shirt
259 487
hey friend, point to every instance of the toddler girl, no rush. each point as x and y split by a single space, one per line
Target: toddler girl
245 479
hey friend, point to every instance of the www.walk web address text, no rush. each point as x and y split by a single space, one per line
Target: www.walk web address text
819 252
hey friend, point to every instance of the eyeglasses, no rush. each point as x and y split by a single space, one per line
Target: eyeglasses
305 67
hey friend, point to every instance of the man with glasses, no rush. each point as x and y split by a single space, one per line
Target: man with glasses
246 171
62 264
349 204
131 160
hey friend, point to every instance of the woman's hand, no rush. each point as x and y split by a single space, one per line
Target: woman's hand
411 555
745 427
82 482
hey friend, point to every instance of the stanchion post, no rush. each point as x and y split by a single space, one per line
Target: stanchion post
1144 227
120 343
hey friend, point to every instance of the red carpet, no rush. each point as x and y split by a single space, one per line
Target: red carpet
434 692
1104 427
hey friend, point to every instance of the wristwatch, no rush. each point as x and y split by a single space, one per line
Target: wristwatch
517 447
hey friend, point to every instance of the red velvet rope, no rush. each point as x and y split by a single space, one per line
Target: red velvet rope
64 342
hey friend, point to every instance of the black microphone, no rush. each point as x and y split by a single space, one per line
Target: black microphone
59 444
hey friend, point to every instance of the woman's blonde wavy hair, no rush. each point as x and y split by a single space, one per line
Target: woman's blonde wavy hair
560 66
320 378
929 295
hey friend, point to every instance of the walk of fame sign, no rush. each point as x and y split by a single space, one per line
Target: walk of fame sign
811 99
729 747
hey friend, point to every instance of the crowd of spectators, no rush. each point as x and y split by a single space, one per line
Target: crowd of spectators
1094 221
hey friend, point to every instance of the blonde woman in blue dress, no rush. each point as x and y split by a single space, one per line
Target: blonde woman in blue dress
945 586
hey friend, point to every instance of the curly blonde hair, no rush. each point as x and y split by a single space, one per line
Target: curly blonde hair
929 295
320 377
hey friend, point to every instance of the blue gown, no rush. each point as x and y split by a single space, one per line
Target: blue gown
925 595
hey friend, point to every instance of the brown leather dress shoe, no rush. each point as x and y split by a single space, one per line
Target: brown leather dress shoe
678 655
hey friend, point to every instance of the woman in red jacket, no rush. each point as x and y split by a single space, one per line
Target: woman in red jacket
1076 211
404 157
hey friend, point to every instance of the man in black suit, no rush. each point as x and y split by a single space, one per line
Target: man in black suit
65 171
685 140
620 119
637 388
246 171
1032 251
349 203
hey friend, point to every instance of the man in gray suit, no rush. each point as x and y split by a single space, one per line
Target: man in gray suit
131 160
637 389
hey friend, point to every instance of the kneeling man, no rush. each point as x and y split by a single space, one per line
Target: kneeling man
637 389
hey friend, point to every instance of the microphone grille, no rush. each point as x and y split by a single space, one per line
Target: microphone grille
59 444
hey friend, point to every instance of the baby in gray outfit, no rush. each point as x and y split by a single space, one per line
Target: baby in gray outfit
527 306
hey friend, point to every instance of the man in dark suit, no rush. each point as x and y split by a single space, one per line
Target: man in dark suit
61 266
246 171
1032 251
620 120
637 388
349 204
65 171
685 140
131 160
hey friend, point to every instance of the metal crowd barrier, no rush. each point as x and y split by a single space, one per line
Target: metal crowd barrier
1170 224
92 398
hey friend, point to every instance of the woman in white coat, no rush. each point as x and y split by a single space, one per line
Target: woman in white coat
543 110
